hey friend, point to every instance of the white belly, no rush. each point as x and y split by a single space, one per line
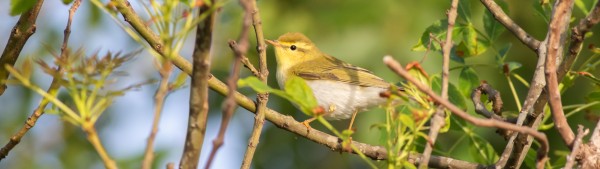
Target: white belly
343 99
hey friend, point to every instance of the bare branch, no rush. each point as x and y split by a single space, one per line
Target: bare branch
557 33
438 118
505 20
19 35
199 87
163 90
230 105
54 85
262 98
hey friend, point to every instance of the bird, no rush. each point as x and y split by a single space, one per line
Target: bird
342 89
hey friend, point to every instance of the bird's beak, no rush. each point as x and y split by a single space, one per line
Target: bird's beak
272 42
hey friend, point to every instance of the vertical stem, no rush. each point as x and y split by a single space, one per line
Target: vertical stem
159 100
198 93
92 136
438 117
262 98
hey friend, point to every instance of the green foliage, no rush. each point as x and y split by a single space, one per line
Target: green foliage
84 80
296 90
454 95
467 81
18 7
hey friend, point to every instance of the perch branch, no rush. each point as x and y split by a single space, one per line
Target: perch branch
282 121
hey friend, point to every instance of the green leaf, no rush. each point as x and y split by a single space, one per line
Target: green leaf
464 10
297 88
542 10
492 27
438 29
454 95
67 2
582 6
482 151
255 84
513 66
467 81
457 56
407 121
471 44
502 54
17 7
296 91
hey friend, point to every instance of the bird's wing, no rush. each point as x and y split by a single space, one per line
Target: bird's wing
337 70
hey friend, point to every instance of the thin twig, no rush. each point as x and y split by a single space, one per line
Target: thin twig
541 137
262 98
558 28
576 147
19 35
438 118
250 66
230 104
159 100
199 86
54 85
505 20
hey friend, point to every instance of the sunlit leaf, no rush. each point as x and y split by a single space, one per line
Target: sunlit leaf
439 30
471 44
297 88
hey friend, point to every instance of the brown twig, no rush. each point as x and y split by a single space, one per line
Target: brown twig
438 118
557 35
535 103
262 98
493 96
230 104
541 137
54 85
250 66
576 147
199 87
159 100
19 35
505 20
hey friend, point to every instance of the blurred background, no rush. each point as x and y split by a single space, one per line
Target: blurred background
359 32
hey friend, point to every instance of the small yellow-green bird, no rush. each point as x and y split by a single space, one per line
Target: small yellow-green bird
339 87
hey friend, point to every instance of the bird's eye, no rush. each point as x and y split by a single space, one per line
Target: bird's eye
293 47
